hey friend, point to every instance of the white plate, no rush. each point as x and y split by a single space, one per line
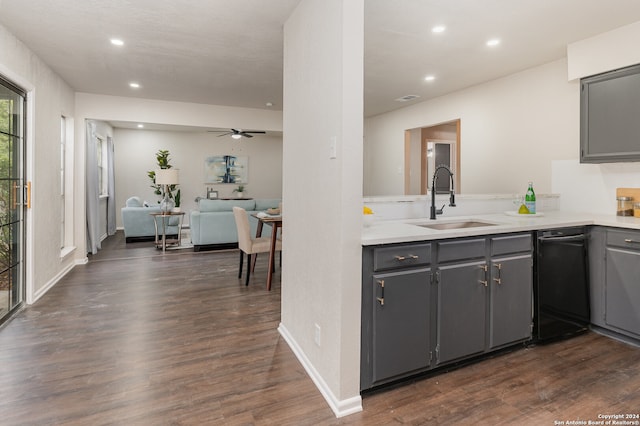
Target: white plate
537 214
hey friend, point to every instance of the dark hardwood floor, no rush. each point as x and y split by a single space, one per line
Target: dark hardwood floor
136 337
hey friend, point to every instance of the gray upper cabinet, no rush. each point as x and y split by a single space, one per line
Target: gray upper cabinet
609 111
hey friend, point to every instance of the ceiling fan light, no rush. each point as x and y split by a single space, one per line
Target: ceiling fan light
236 136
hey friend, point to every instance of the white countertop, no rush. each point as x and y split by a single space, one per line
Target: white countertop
398 231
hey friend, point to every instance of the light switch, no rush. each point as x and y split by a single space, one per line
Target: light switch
333 147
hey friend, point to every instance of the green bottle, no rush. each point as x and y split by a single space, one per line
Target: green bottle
530 199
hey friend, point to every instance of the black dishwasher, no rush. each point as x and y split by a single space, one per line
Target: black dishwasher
561 286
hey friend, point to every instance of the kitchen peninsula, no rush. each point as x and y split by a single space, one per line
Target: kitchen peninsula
436 297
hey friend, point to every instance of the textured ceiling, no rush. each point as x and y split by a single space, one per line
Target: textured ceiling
229 52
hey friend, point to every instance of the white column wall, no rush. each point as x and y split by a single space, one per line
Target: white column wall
321 273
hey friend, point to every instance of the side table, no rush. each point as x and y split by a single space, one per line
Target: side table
161 228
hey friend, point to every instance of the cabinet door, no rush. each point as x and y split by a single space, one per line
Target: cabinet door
623 290
400 323
596 252
462 302
511 300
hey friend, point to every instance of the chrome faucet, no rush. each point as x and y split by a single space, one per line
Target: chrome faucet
452 198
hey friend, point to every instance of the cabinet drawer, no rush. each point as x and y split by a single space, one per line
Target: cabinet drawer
461 250
511 244
401 256
627 239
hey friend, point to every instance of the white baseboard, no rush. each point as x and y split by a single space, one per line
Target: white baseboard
340 408
42 290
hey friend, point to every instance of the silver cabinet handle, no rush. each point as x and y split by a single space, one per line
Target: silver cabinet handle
381 299
410 256
485 269
499 279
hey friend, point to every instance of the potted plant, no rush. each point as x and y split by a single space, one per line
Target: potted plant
163 160
239 190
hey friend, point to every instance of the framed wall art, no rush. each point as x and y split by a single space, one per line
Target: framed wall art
226 169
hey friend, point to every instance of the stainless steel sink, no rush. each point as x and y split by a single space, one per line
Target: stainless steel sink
455 225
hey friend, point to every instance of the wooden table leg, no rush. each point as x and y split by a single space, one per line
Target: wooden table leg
272 255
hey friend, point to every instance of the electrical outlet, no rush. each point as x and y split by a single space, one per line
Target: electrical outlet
316 336
333 148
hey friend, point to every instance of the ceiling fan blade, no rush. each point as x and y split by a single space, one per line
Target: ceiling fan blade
232 132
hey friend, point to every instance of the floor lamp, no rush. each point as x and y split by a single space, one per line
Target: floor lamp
166 178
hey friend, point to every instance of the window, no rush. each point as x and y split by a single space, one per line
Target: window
103 176
63 153
66 185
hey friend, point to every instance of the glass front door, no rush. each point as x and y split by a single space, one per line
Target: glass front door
12 194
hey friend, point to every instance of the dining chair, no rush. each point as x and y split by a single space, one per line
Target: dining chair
247 244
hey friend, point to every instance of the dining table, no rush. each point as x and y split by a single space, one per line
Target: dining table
275 221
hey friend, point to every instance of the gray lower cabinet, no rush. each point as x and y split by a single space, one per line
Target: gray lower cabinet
429 304
400 329
396 312
596 251
511 312
462 307
622 282
614 277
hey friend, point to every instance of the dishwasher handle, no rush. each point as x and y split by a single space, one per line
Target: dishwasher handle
564 238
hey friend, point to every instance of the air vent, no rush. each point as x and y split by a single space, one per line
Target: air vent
407 98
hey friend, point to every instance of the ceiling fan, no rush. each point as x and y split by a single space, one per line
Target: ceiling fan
238 133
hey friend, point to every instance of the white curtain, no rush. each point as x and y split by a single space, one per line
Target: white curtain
111 189
92 190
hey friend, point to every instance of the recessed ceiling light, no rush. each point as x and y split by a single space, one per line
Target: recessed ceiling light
117 42
438 29
134 85
140 126
493 42
429 78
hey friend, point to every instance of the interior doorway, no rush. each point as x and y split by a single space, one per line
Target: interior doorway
13 193
425 149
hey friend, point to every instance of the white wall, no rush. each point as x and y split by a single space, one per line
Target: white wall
511 130
321 271
135 155
49 97
605 52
